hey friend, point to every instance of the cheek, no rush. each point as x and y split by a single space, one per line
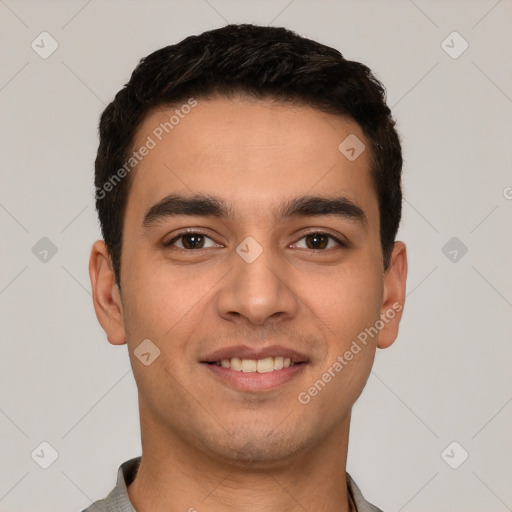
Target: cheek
150 307
348 299
349 309
161 308
166 303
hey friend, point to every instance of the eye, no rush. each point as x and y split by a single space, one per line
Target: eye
318 240
191 240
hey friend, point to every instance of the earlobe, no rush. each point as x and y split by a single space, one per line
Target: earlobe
106 298
394 296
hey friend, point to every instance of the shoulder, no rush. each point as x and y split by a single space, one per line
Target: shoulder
357 496
118 499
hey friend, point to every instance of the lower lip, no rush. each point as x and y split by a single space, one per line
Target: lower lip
254 381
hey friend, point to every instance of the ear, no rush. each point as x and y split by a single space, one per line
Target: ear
105 294
394 295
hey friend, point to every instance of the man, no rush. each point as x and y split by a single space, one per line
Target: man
248 190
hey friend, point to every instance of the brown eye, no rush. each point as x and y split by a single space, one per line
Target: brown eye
190 241
193 241
317 241
321 241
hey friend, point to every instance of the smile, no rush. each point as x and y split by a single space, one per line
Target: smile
268 364
255 375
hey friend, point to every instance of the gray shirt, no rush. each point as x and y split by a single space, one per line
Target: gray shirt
119 501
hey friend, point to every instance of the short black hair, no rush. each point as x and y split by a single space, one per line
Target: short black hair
260 62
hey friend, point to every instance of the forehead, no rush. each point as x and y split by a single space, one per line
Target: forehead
254 153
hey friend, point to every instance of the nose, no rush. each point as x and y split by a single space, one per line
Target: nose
258 291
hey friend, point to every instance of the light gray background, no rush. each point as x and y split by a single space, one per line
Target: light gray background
447 378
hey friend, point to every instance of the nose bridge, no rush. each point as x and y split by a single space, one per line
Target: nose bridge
255 289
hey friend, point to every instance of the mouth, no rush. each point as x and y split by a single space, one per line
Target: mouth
265 365
246 369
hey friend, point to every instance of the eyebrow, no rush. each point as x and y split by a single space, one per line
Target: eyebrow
200 205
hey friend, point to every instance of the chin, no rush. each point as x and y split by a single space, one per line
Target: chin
258 448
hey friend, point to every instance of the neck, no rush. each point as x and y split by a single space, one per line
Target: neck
176 476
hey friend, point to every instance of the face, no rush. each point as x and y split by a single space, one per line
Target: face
250 241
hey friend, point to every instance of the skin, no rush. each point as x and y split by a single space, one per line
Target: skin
206 445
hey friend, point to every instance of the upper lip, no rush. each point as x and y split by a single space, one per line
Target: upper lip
245 352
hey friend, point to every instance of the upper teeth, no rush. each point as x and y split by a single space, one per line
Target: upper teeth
252 365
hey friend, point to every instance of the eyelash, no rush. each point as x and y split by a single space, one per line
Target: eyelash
185 233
